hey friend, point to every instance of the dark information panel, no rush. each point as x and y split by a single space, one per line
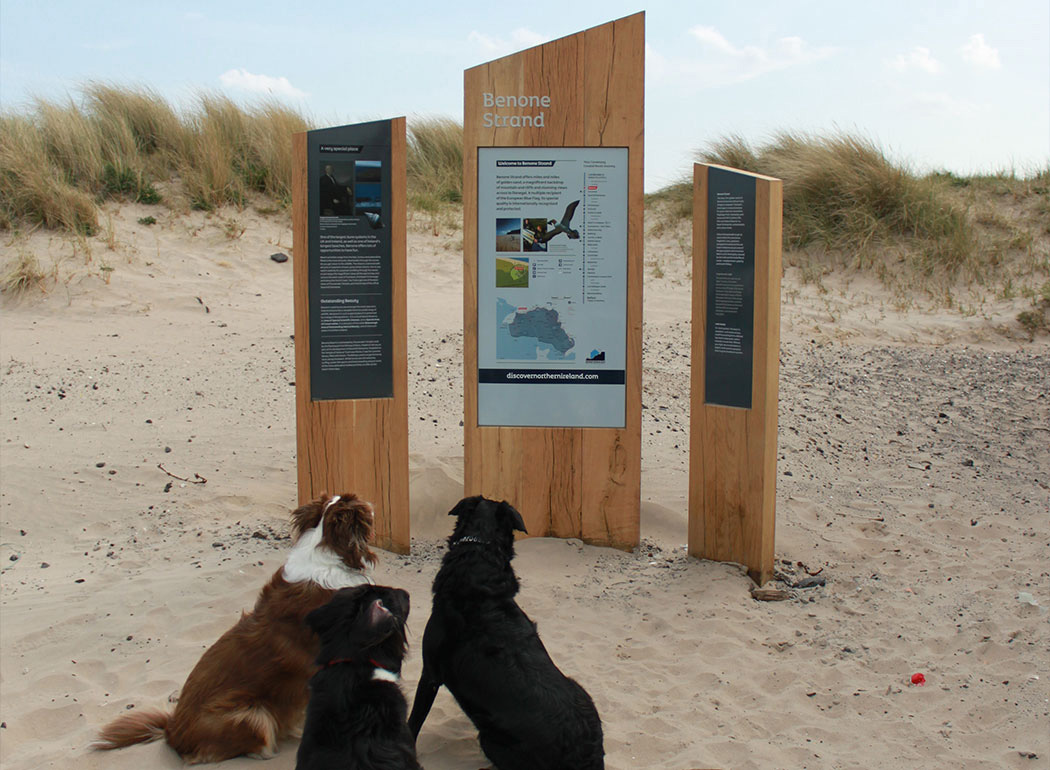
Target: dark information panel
351 332
730 319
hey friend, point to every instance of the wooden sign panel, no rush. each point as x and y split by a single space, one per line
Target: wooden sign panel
735 367
553 140
349 245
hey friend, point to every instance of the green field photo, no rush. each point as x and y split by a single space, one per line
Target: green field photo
512 272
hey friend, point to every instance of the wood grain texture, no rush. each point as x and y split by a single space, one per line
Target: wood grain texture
732 462
566 482
358 445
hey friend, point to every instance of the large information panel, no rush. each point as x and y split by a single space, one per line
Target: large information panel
350 274
553 149
552 286
730 288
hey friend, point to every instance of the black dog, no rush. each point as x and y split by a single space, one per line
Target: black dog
356 716
480 645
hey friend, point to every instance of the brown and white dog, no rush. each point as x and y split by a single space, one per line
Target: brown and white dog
249 689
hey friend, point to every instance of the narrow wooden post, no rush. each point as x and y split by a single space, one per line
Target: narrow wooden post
351 346
737 219
553 140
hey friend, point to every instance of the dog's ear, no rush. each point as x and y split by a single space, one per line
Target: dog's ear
348 528
511 513
322 619
464 505
308 516
341 605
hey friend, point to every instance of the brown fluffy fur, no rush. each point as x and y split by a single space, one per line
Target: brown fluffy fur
249 689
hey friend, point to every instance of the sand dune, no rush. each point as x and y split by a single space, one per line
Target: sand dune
912 475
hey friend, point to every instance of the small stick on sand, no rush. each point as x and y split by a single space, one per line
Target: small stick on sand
197 478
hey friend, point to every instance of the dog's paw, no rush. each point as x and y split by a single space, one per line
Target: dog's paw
265 753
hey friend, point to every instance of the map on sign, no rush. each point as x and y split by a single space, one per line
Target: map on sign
531 334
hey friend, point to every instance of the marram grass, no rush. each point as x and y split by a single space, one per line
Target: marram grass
844 200
435 163
843 195
59 159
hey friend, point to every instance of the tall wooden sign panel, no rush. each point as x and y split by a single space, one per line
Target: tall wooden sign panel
552 185
348 215
737 220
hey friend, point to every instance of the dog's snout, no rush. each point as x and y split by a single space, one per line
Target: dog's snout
377 610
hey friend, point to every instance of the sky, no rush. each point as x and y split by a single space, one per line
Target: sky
958 86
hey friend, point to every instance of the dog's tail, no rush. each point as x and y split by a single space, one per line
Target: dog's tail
129 729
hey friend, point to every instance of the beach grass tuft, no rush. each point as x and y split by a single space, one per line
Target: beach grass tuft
435 163
22 273
34 189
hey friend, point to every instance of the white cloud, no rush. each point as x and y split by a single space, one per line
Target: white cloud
980 54
243 80
494 47
722 62
931 104
715 39
918 58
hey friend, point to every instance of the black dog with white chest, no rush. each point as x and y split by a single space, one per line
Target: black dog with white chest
480 645
356 715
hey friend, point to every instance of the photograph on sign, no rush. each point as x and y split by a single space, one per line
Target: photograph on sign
350 269
552 286
336 189
508 234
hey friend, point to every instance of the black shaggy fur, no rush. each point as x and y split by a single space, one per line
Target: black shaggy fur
354 721
480 645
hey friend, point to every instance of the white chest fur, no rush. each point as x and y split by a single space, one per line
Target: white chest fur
312 561
385 676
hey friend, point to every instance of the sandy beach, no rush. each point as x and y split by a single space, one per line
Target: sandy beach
148 470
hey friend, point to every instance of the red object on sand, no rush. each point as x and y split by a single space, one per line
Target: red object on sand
918 679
